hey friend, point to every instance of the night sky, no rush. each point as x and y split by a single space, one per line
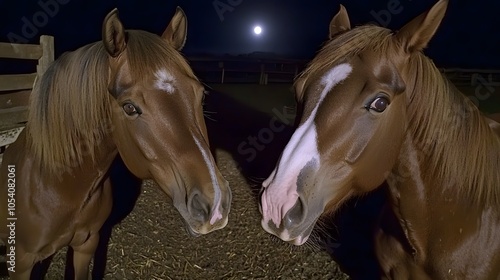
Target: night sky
469 36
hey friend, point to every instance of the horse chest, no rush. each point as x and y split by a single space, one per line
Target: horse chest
95 209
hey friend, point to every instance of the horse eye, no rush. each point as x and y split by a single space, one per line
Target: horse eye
379 104
130 109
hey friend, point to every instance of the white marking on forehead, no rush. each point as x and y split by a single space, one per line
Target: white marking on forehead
216 212
165 81
281 191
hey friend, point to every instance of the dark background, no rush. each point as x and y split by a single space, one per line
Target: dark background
469 36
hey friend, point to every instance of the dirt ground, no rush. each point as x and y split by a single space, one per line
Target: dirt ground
151 243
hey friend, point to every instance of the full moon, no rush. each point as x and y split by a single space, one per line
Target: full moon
257 30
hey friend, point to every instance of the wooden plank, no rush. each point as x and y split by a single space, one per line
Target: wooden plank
13 117
20 51
14 99
17 82
8 137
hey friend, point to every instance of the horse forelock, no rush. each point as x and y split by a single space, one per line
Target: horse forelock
148 54
344 46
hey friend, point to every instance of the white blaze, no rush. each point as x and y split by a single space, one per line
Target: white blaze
216 212
280 193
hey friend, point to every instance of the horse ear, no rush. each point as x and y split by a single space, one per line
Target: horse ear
340 22
113 34
176 31
416 34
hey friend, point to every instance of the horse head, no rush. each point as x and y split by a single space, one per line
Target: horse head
353 98
158 122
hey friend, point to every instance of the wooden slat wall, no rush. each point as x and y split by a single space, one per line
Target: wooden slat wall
13 109
13 117
17 81
15 89
14 99
20 51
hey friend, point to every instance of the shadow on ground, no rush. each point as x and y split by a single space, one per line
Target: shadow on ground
254 138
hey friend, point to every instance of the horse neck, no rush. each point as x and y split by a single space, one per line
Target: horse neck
432 215
442 188
445 187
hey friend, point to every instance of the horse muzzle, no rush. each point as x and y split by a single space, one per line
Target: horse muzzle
294 226
203 215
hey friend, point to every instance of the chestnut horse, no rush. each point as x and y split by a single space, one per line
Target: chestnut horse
131 94
376 109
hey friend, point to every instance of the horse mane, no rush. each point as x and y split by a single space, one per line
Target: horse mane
70 108
450 130
446 126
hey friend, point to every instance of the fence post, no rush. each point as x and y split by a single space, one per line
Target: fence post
47 43
262 76
221 65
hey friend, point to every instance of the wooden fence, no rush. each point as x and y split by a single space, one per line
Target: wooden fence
16 88
248 70
251 70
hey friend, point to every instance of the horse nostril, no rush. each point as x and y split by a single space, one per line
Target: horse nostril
198 207
295 215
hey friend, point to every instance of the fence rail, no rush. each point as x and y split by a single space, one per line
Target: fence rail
473 77
263 71
246 70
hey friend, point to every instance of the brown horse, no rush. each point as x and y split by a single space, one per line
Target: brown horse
375 108
132 94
